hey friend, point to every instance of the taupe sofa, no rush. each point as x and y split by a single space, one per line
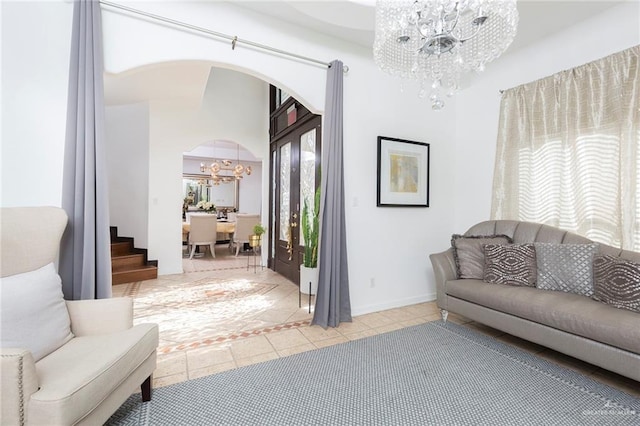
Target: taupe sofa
575 325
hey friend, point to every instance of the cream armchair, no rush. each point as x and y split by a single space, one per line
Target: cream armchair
82 374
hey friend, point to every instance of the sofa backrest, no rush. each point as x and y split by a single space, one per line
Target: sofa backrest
529 232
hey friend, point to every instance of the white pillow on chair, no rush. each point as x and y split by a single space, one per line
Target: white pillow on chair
34 314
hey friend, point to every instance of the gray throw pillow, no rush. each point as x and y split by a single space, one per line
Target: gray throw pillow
513 264
566 267
469 254
617 282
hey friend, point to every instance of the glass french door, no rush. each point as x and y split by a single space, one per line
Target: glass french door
295 168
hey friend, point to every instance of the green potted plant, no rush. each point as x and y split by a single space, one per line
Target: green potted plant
310 224
255 239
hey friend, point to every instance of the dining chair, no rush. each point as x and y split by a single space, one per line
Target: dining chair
203 232
244 228
185 243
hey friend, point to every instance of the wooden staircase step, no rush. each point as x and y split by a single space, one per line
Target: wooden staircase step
127 261
129 264
131 274
121 248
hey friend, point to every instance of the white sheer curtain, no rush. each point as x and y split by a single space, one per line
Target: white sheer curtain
568 151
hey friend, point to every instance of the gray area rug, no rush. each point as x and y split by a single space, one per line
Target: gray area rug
433 373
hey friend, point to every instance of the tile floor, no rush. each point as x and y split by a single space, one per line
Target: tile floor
220 316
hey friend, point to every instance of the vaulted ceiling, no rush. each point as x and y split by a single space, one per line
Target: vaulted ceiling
351 21
354 20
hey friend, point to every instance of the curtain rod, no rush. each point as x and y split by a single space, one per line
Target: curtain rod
233 39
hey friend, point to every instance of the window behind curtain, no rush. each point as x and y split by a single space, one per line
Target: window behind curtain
568 151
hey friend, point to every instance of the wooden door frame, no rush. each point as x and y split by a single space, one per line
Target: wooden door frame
292 134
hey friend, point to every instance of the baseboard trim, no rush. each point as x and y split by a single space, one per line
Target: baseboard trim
391 304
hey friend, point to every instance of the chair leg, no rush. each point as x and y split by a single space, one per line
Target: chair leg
145 389
237 248
213 250
193 250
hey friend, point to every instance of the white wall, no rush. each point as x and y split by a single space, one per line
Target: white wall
36 40
251 191
478 106
237 108
132 42
127 137
176 127
388 247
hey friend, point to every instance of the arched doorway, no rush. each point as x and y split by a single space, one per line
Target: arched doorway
181 105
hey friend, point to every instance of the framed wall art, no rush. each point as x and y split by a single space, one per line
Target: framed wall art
403 173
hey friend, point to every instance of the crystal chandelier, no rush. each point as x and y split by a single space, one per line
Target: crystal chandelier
434 41
215 168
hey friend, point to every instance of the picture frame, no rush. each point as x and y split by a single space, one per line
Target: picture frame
403 173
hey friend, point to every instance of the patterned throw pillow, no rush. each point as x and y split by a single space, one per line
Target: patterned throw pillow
513 264
617 282
566 267
469 255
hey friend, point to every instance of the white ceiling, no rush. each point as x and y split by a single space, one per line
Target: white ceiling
348 20
354 20
220 149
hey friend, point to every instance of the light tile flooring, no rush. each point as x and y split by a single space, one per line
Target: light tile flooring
221 316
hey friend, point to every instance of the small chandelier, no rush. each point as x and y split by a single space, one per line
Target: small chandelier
226 165
434 41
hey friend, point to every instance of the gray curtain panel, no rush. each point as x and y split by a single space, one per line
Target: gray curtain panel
333 305
85 257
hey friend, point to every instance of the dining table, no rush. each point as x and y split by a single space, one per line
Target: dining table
222 226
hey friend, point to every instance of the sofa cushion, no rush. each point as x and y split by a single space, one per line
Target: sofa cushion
568 312
617 282
468 253
33 312
81 374
513 264
566 267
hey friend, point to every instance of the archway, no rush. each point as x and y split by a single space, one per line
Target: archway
180 105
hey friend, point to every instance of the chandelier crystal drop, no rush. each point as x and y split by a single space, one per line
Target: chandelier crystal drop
435 41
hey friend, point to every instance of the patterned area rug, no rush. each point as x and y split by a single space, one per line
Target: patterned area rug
207 310
433 373
223 261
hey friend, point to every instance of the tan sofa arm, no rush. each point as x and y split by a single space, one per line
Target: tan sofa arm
444 269
101 316
19 382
